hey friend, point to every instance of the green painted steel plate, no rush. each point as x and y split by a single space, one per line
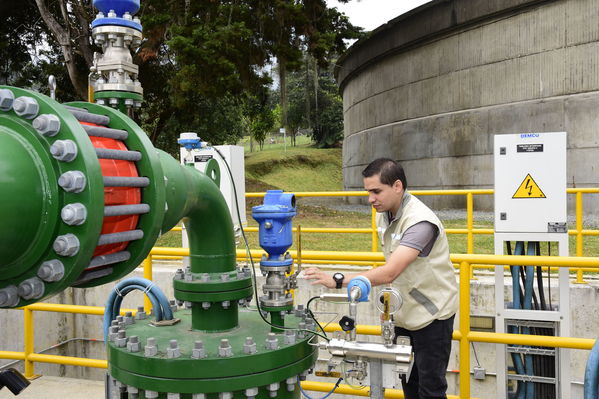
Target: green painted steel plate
291 356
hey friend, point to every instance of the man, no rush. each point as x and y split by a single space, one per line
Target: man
417 262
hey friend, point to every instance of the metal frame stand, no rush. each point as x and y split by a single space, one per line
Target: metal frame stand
561 316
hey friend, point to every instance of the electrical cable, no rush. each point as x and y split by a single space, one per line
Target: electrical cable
312 314
475 355
249 254
325 396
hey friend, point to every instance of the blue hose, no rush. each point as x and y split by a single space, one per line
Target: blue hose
516 358
160 304
591 374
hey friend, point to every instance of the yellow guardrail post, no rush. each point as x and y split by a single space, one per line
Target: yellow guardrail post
464 330
375 237
28 341
148 275
579 275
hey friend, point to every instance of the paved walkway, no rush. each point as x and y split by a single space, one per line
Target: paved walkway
47 387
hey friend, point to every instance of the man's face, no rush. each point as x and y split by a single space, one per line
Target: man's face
382 196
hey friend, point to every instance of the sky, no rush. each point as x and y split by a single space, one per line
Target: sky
371 14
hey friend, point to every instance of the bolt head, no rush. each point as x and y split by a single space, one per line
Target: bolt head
72 181
74 214
64 150
26 107
51 270
66 245
6 99
31 288
9 296
47 125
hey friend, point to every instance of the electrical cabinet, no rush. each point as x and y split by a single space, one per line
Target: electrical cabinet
530 183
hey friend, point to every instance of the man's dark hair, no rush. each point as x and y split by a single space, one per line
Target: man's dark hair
389 171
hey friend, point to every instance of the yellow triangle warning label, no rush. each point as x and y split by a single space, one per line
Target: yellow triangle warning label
529 189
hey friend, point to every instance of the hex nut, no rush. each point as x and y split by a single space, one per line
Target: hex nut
74 214
171 395
249 346
51 270
9 296
47 125
173 350
224 349
32 288
6 99
151 394
66 245
72 181
289 337
150 349
251 393
64 150
198 396
198 351
26 107
133 344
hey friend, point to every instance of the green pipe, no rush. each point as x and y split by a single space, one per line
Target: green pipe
215 318
195 198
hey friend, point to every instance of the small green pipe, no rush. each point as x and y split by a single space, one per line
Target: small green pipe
215 318
277 320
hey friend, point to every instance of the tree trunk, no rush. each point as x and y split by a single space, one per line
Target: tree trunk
283 91
64 39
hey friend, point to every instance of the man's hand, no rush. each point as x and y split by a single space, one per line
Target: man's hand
320 277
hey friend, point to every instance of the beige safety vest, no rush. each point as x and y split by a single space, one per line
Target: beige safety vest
427 286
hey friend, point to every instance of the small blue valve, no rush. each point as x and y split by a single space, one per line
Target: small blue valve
275 228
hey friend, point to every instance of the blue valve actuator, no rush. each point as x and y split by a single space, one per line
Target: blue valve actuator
120 7
361 282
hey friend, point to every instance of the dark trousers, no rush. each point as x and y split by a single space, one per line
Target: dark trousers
431 346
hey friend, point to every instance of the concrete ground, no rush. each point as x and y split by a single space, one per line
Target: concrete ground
48 387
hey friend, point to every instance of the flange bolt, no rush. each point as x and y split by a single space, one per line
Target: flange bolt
224 349
179 274
171 395
51 270
198 350
272 389
173 350
150 349
47 125
9 296
249 346
64 150
74 214
6 99
291 383
225 395
121 339
289 337
151 394
66 245
141 313
251 393
25 107
72 181
272 342
32 288
133 344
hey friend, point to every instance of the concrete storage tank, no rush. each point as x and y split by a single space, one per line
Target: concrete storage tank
431 87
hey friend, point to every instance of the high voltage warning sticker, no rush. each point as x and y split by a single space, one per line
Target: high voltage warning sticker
529 189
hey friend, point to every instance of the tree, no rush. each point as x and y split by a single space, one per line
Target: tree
68 21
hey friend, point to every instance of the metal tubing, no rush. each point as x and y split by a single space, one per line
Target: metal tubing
86 116
106 132
123 155
119 210
109 259
344 389
12 355
123 236
118 181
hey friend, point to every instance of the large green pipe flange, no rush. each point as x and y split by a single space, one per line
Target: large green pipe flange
52 197
244 363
